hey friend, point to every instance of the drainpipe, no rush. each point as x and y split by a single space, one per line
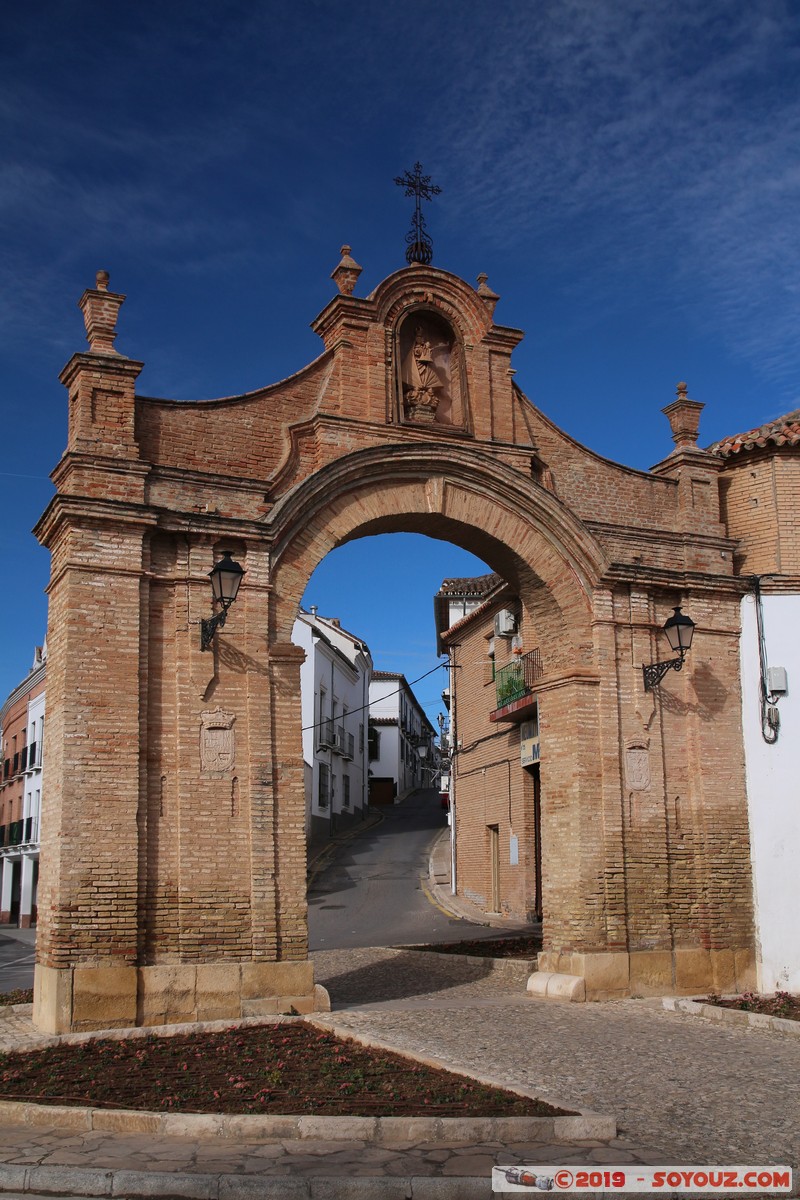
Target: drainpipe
770 717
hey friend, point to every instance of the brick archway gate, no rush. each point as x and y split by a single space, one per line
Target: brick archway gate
173 855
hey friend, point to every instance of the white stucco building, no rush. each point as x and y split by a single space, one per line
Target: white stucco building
772 757
760 505
399 729
334 684
21 737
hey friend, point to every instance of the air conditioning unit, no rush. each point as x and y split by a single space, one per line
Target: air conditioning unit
505 623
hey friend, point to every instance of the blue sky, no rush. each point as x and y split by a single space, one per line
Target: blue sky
625 171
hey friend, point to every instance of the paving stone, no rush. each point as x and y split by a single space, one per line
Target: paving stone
630 1058
240 1187
450 1189
164 1183
604 1154
469 1164
360 1189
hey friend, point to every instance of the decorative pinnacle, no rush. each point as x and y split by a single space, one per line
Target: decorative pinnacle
345 276
486 294
419 247
100 309
684 418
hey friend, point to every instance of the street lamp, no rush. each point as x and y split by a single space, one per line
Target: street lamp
225 576
679 630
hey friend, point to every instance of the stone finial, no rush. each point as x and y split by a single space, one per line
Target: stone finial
684 418
346 274
486 294
100 309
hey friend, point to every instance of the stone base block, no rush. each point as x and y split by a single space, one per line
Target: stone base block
685 971
322 999
52 1000
549 985
73 1000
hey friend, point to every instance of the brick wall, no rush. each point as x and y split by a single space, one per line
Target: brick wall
195 863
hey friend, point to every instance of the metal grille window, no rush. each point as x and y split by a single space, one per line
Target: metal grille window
324 785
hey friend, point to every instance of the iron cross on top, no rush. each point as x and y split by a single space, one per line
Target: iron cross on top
418 241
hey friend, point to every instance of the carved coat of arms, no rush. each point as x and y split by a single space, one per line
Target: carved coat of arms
217 741
637 766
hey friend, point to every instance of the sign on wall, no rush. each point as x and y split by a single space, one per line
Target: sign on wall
529 749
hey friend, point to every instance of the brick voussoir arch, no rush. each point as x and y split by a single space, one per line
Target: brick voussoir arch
458 494
438 289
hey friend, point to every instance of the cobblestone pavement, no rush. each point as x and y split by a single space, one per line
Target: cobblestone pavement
683 1091
690 1090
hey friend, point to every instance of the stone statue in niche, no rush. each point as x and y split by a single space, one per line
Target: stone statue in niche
217 744
426 350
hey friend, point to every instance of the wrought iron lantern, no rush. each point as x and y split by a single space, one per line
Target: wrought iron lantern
225 576
679 630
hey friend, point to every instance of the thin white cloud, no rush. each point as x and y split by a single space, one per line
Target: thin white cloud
618 135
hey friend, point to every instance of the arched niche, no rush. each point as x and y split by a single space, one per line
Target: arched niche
431 382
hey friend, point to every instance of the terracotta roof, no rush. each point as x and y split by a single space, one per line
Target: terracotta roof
784 431
383 720
388 675
476 585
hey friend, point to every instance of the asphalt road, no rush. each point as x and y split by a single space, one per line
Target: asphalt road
16 960
374 891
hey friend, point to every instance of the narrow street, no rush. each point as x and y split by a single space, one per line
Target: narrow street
374 891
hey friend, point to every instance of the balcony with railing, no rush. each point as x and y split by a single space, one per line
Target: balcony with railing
514 687
327 734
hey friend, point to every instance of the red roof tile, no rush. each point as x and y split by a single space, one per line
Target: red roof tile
784 431
476 585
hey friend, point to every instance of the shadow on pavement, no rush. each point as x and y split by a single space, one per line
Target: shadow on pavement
397 975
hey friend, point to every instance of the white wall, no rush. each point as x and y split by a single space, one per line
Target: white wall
398 758
346 682
33 780
773 790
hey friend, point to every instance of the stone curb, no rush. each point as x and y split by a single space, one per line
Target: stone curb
77 1181
14 1010
373 1131
516 970
147 1031
731 1016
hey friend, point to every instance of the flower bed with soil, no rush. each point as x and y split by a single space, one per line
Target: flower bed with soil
20 996
285 1068
782 1004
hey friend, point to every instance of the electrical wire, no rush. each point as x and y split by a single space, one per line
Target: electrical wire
366 707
